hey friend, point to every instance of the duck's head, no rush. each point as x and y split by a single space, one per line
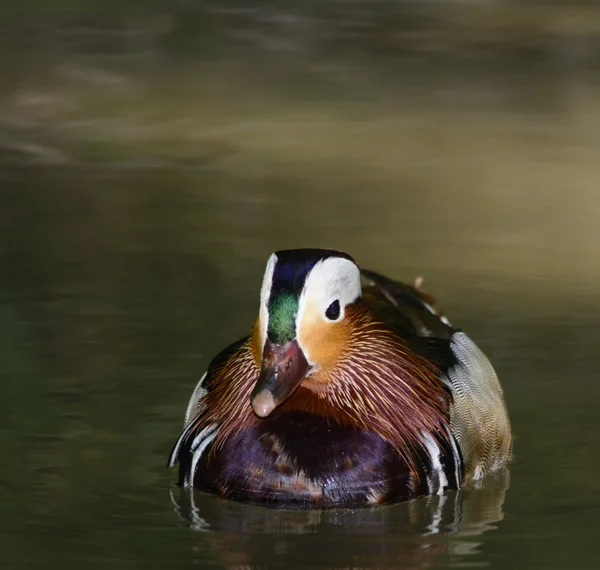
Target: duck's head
304 323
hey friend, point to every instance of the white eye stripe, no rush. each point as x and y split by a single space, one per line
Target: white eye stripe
332 279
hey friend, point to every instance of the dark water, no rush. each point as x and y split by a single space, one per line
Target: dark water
139 201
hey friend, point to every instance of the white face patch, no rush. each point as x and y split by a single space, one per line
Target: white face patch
265 293
333 279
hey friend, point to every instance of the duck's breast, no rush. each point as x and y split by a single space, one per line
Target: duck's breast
298 459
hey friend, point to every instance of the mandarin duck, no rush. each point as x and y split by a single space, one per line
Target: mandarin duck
342 395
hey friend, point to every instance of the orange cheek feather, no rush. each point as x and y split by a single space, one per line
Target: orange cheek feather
325 342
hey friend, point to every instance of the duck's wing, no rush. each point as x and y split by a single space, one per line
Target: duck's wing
406 308
195 404
479 419
181 449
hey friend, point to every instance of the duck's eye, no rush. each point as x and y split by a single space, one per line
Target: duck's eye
333 311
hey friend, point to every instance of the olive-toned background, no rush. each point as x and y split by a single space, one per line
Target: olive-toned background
153 154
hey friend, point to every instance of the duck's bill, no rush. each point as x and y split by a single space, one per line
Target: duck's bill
283 369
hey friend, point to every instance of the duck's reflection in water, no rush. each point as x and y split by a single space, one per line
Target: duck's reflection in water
437 530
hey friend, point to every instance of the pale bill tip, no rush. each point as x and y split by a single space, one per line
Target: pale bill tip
263 403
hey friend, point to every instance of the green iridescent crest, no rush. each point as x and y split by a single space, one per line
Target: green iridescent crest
282 318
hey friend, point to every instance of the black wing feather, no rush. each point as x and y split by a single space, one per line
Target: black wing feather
411 315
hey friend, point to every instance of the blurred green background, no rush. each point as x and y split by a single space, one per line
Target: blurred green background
153 154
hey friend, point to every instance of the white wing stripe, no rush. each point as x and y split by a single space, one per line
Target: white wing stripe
205 432
197 455
183 437
457 461
433 451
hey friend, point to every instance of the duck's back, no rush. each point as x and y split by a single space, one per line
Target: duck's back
478 416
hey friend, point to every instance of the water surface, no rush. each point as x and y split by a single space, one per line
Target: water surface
139 201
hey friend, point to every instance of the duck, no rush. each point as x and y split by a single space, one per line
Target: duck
351 390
